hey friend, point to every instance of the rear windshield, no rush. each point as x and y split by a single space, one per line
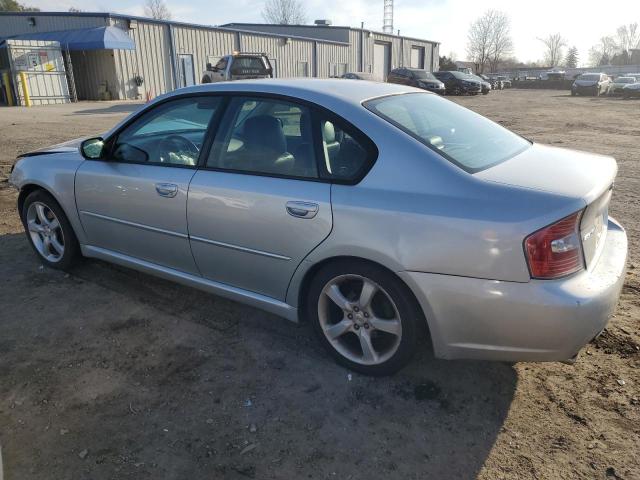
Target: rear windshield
422 75
248 66
589 76
626 80
463 137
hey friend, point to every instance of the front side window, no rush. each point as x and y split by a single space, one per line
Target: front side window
467 139
170 134
265 136
222 64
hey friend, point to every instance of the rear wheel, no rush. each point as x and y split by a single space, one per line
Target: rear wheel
49 231
364 316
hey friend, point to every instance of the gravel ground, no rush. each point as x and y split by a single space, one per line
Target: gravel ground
106 373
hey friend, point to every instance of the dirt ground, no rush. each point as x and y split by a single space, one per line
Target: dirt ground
110 374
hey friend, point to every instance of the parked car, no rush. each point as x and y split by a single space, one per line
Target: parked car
616 87
373 211
458 83
496 84
631 90
506 81
634 75
416 78
485 86
238 66
359 76
591 84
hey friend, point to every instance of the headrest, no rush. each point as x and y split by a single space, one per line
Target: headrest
265 131
328 132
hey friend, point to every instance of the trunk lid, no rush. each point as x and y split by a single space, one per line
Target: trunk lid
574 174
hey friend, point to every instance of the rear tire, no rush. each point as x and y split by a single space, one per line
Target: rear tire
364 316
49 231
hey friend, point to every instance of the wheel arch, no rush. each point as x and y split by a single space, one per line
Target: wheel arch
307 276
30 187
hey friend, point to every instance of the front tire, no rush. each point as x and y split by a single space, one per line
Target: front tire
364 316
49 231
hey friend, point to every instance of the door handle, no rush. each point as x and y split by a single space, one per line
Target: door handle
302 209
169 190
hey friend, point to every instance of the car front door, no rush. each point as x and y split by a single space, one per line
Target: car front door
258 207
134 200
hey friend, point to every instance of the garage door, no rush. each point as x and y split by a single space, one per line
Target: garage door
417 57
381 60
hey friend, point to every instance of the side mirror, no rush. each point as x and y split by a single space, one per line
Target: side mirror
92 148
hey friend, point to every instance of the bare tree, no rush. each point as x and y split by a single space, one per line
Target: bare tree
284 12
157 9
500 45
554 43
628 39
603 52
482 37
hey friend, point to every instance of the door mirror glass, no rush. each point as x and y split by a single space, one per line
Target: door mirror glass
92 148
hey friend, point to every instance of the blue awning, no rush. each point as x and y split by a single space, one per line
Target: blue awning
99 38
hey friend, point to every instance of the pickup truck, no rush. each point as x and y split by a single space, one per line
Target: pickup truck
238 66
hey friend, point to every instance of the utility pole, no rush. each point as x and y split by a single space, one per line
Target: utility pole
387 26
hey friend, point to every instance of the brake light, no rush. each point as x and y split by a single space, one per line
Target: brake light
556 250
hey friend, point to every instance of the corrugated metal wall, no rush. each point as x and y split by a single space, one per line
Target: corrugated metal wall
18 24
203 43
287 53
332 56
93 71
151 60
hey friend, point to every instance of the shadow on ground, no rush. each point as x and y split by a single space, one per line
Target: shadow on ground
108 373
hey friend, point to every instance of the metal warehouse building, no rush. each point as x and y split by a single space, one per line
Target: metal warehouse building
116 56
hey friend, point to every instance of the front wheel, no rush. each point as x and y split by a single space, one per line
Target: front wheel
49 231
364 316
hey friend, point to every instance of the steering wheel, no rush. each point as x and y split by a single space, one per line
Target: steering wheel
184 150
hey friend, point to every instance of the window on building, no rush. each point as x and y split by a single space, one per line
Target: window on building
337 69
302 69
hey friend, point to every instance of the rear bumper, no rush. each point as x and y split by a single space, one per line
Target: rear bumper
541 320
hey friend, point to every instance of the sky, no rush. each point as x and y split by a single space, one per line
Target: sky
445 21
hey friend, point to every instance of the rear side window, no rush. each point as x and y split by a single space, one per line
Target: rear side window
463 137
265 136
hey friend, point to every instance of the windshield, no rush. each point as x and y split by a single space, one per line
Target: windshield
423 75
590 76
467 139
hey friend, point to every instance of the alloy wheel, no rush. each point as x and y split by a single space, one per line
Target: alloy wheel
45 231
359 319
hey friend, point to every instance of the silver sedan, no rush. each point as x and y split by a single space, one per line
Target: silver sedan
384 215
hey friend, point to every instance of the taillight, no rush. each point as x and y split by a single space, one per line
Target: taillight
555 251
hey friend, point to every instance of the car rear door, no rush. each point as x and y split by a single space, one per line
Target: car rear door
134 201
258 207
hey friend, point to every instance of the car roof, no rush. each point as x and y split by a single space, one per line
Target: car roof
310 89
